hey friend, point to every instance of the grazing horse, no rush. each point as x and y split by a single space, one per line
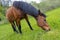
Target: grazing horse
15 15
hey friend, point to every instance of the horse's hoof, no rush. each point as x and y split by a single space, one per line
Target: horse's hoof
20 32
16 31
31 29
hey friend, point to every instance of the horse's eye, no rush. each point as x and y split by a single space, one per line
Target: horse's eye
44 20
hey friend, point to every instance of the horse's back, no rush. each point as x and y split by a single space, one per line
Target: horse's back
26 7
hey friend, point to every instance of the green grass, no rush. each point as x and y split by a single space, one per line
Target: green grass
53 19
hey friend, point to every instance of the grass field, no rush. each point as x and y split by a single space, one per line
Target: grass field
53 19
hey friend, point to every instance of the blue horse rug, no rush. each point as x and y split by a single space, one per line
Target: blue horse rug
26 7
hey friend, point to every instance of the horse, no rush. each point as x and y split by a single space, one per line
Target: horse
15 16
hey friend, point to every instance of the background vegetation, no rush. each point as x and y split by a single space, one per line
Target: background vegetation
47 5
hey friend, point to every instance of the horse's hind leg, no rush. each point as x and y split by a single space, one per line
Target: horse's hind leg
26 18
14 27
18 25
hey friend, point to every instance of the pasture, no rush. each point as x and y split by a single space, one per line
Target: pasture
53 18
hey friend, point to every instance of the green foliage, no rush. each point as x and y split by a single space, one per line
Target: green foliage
47 5
3 19
1 8
53 19
2 15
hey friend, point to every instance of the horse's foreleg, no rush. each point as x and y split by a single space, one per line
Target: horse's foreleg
18 25
14 27
26 18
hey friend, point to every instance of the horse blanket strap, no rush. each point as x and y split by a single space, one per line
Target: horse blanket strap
26 7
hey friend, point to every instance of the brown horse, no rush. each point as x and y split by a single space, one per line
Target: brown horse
15 15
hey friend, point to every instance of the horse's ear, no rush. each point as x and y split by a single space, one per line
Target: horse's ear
39 12
42 14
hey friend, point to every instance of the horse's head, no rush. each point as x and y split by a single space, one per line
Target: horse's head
41 20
